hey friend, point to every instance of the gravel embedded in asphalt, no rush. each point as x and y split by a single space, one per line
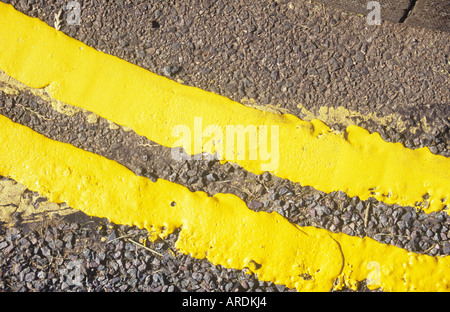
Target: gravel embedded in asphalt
390 224
71 256
282 54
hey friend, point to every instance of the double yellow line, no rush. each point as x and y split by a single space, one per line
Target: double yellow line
358 163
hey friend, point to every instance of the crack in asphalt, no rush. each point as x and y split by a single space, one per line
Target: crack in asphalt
408 11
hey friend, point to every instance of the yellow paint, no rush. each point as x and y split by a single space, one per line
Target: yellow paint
358 163
220 228
18 209
92 118
104 188
347 117
12 86
390 268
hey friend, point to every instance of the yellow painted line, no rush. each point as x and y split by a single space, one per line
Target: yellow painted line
220 228
12 86
358 163
347 117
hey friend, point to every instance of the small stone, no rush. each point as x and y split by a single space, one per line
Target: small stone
157 278
285 191
360 206
41 275
160 245
112 236
275 75
211 177
433 149
46 252
346 216
401 225
30 277
337 221
197 276
68 237
255 205
156 263
360 57
272 195
92 118
191 173
407 216
281 211
266 176
347 230
64 286
436 237
24 243
334 65
142 267
86 253
9 103
152 177
170 71
446 249
383 219
244 285
112 125
349 63
325 210
228 287
207 277
3 245
176 46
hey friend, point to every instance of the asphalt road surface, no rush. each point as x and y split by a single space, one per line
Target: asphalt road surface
299 57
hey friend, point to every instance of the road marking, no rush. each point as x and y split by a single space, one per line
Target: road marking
12 86
16 206
347 117
358 163
104 188
220 228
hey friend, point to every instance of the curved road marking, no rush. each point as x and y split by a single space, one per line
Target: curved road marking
220 228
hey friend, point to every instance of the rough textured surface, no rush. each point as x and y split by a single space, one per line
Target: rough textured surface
430 14
391 10
94 255
278 53
362 164
261 192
